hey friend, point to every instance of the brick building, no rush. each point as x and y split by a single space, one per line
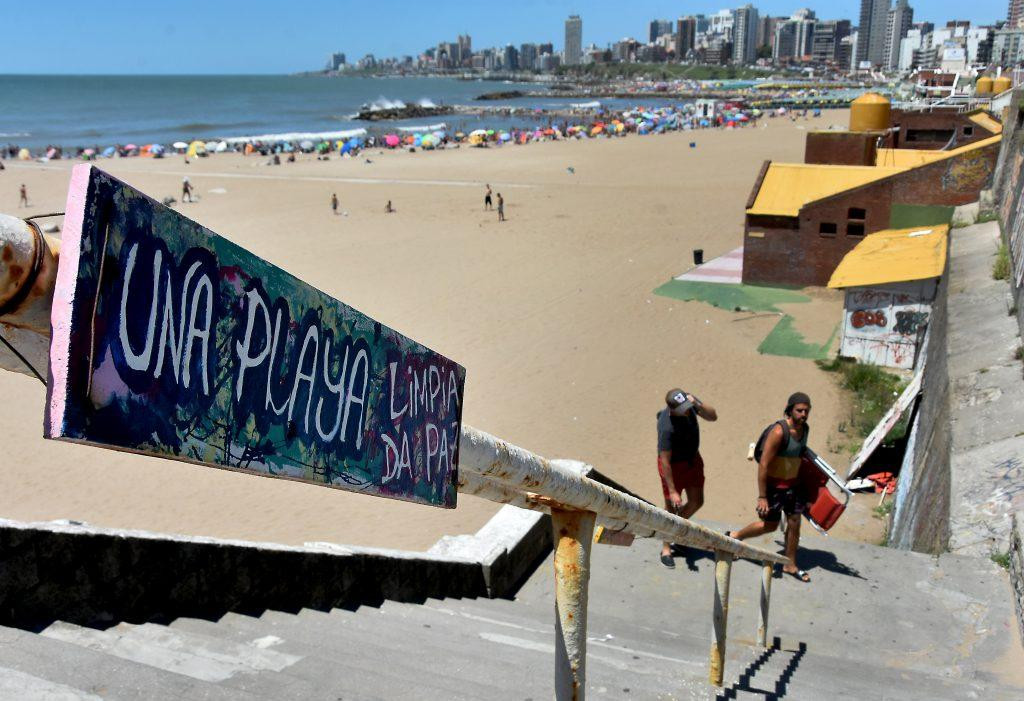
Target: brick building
801 219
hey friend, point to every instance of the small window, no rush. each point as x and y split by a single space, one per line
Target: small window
855 229
826 228
857 213
968 131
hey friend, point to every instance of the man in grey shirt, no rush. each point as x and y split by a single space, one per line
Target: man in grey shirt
679 462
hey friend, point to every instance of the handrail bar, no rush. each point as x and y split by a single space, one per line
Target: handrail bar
502 462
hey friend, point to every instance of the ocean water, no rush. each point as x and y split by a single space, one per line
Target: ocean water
100 111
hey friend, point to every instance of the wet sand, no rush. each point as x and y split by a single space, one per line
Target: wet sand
568 352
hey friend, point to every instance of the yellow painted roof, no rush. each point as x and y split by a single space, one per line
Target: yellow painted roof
987 121
906 157
894 255
789 186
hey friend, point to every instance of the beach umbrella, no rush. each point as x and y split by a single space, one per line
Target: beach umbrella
346 147
392 140
24 155
478 132
211 145
156 149
221 147
89 152
180 145
504 136
108 152
196 148
306 145
131 147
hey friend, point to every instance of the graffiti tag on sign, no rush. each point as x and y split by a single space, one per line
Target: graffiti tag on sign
172 341
866 317
908 322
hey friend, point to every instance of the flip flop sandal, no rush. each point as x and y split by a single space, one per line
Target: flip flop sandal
800 575
668 561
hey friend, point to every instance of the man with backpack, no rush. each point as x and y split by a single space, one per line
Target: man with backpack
679 462
778 452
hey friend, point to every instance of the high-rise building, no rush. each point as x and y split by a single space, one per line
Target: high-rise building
828 36
335 61
900 17
744 35
573 41
510 61
528 57
659 27
547 48
804 35
1015 14
874 16
784 43
465 49
686 36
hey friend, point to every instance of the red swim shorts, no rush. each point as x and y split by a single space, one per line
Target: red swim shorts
686 474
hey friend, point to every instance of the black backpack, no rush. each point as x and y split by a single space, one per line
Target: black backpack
759 445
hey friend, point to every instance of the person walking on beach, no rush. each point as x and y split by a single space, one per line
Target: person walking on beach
186 190
334 203
388 209
778 488
23 196
679 462
487 199
501 208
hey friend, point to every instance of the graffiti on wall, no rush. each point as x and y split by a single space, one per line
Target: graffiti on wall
172 341
883 326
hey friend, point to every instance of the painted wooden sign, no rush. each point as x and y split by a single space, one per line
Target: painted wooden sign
171 341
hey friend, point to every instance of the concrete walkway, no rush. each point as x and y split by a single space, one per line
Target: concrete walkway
986 395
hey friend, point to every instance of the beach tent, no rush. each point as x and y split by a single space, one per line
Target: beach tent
196 148
221 147
211 146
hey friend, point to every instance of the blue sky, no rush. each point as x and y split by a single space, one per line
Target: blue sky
258 36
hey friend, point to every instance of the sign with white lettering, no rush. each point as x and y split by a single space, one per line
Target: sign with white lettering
171 341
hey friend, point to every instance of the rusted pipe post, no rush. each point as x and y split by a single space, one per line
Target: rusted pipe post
766 596
28 271
720 616
573 534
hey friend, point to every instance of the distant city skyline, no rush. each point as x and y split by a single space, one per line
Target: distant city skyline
232 36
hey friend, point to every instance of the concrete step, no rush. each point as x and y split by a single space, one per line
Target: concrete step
34 666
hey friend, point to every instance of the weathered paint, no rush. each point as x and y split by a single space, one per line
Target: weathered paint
883 324
720 617
521 470
573 533
767 569
172 341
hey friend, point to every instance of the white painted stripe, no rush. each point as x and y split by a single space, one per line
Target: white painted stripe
191 654
25 687
629 663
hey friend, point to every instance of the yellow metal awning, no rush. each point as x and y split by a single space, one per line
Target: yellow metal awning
789 186
894 255
906 157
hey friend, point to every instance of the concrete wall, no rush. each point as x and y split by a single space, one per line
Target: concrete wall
920 519
97 576
1009 197
1017 569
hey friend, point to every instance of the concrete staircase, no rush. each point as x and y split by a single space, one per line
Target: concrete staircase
875 623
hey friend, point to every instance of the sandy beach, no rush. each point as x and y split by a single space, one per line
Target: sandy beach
568 352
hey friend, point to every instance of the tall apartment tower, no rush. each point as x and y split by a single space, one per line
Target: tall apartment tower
573 40
1015 14
874 16
686 36
901 16
657 28
744 34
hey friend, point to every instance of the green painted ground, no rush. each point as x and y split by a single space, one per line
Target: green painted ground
784 339
905 216
752 298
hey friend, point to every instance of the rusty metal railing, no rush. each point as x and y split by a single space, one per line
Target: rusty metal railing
499 471
489 468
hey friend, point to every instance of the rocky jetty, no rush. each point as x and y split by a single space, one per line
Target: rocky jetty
406 112
502 95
